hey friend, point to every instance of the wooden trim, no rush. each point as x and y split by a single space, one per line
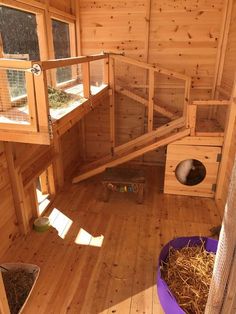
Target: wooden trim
4 307
211 102
61 15
42 36
25 137
57 63
150 99
78 28
16 64
28 6
112 103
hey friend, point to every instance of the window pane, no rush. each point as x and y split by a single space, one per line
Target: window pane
19 33
61 42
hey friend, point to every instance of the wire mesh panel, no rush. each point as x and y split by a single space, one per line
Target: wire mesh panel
14 107
97 76
169 95
211 119
65 90
131 80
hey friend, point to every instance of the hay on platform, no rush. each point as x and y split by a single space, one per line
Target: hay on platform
188 272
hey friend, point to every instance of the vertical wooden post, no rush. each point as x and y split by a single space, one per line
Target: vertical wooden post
58 163
41 91
186 100
151 99
112 102
17 190
4 307
230 122
33 200
86 79
51 182
29 82
106 71
192 115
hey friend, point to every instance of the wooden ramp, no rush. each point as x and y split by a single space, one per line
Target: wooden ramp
164 135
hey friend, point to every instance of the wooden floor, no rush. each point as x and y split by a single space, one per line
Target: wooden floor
119 274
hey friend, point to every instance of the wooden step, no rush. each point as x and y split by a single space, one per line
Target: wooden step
131 153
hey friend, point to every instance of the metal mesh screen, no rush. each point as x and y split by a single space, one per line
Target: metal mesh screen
13 97
131 79
225 252
208 119
65 90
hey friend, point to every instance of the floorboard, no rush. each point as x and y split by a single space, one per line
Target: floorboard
80 273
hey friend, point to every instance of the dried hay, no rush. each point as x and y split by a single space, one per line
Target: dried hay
59 99
18 284
188 273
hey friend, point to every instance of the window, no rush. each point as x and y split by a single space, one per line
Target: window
61 43
18 30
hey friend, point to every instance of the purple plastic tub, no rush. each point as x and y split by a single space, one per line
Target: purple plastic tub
167 300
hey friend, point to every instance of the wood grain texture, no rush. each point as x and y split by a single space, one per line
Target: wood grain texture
120 276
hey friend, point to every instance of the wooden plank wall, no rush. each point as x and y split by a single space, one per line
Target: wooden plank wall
230 55
97 131
8 223
179 35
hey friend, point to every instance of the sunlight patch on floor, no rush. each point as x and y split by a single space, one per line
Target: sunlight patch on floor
60 222
85 238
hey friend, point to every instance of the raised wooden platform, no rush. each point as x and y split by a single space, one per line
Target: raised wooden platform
107 261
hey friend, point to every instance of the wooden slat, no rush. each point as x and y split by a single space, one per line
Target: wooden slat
150 99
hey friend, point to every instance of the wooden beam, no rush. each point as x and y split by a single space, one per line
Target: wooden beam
57 63
25 137
211 102
150 99
186 99
4 307
112 103
122 159
17 191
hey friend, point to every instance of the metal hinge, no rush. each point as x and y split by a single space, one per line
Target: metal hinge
36 69
218 158
213 188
